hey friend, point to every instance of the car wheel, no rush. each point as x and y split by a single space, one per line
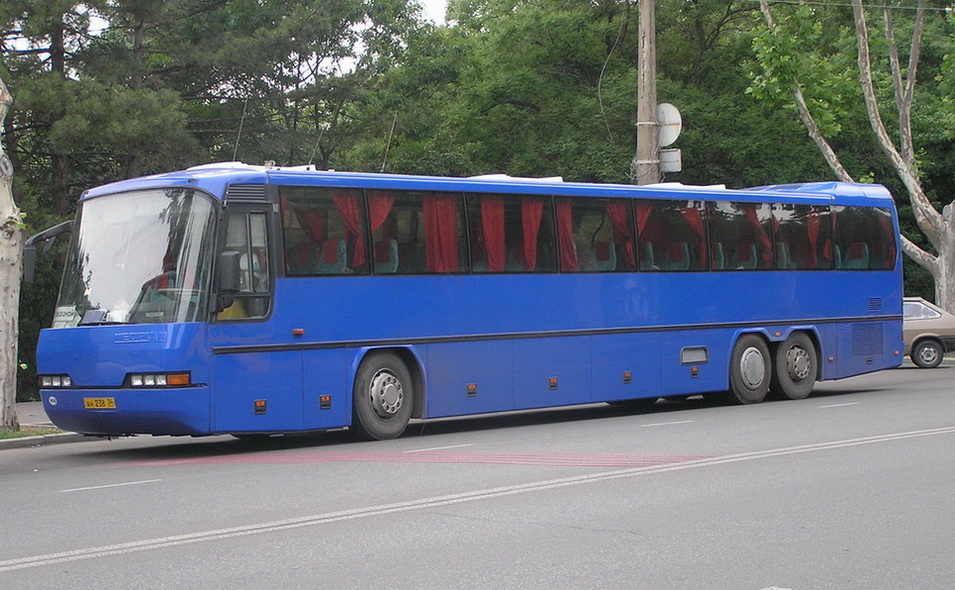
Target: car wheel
927 354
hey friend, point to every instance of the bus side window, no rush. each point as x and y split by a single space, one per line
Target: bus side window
864 238
247 234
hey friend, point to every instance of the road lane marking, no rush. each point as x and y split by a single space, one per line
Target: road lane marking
112 485
429 456
839 405
428 450
439 501
666 423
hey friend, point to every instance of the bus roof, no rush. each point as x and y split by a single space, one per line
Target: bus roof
217 177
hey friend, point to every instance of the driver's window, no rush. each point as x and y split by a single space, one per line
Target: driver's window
247 234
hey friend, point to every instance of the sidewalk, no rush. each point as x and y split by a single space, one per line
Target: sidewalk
33 414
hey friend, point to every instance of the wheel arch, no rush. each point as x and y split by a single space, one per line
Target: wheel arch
811 332
411 357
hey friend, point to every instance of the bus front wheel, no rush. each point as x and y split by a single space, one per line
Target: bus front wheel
383 397
750 370
795 367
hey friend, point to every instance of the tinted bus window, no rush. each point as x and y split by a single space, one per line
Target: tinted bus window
416 232
740 236
803 237
595 235
863 238
512 234
324 231
671 235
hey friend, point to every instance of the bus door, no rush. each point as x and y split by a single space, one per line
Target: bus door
257 381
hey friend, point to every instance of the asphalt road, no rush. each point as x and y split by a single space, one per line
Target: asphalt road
850 488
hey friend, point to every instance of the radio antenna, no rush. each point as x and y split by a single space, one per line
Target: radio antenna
238 135
391 134
315 149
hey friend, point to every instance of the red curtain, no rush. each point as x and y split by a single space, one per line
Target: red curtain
565 236
812 228
643 216
694 219
617 210
441 232
314 223
531 211
379 206
492 224
888 238
767 244
347 204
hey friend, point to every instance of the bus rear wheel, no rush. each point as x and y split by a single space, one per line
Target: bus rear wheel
795 367
750 370
383 397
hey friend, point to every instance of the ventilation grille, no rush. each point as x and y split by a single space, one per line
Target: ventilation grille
246 193
875 305
866 339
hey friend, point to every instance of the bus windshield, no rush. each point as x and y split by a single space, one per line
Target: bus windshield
143 257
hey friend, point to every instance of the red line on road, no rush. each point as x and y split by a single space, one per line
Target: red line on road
548 459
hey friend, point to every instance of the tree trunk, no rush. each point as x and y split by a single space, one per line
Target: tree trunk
11 236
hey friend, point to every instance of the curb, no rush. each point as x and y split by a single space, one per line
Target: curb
43 440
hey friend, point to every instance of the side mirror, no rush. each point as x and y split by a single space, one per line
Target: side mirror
29 249
229 277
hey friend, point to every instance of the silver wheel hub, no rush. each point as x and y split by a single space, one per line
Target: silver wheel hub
752 367
798 363
386 393
928 354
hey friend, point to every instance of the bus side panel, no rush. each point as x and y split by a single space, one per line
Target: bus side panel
244 380
539 360
615 355
489 366
325 373
867 346
696 361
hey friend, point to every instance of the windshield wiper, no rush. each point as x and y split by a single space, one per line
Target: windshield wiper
97 317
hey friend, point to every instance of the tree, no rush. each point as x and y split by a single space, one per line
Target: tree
11 236
937 226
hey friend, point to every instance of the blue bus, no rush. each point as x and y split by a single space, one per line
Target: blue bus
247 300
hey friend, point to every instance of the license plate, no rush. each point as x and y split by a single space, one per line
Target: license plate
99 403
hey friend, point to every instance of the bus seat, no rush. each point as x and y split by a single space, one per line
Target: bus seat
606 256
677 256
857 256
515 257
745 257
646 258
386 256
719 260
837 256
783 259
332 260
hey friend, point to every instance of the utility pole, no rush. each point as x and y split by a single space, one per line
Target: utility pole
645 167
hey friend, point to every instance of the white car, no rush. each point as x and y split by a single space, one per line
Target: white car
928 330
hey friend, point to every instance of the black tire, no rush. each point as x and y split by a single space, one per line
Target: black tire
927 354
383 397
795 367
750 370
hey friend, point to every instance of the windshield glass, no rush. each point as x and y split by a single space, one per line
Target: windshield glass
141 258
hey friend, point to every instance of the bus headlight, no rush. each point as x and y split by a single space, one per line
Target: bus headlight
159 380
54 381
